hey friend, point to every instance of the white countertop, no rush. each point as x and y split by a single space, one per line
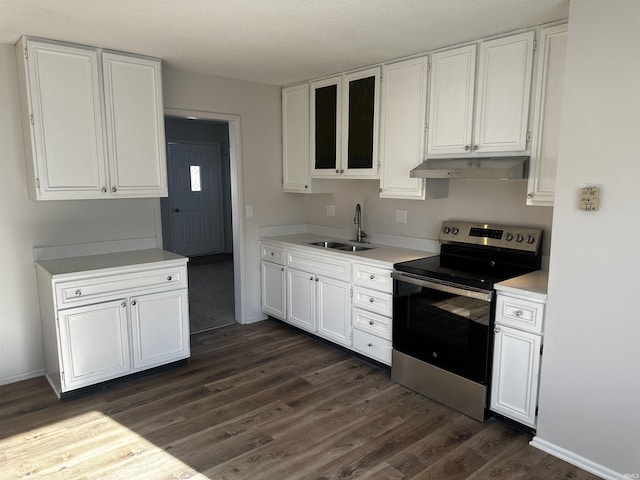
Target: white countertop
533 285
384 254
62 267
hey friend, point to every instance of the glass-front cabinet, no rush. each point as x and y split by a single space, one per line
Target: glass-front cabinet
344 125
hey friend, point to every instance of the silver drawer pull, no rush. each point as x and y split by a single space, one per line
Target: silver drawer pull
78 292
169 278
518 313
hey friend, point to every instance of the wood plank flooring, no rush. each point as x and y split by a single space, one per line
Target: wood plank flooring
254 402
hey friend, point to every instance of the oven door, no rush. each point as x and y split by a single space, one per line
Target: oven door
443 324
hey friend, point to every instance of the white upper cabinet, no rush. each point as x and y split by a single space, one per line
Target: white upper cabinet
403 117
451 100
497 121
547 106
344 125
93 122
135 125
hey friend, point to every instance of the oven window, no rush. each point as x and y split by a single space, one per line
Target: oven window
446 330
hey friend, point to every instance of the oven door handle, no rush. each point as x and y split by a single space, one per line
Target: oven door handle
477 293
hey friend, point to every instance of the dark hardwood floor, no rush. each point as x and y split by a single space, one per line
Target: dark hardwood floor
254 402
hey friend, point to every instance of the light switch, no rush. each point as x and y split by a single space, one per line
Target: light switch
331 210
248 211
590 198
401 216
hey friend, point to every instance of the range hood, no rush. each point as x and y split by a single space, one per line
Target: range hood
499 168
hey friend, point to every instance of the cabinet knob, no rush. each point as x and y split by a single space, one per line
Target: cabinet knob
104 189
134 302
467 147
372 277
529 195
272 254
306 186
496 330
369 344
123 304
114 189
282 269
78 293
372 300
518 313
169 278
342 170
475 147
371 322
311 278
337 170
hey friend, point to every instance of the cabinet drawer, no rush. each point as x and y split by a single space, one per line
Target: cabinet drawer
312 262
372 346
370 276
107 287
372 323
373 301
519 313
274 254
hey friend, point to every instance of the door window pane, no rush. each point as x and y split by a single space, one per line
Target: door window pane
195 178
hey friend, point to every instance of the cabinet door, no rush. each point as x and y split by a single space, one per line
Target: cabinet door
135 125
295 138
333 310
451 101
404 105
94 344
160 328
64 99
360 123
546 119
325 129
274 290
301 307
504 90
516 367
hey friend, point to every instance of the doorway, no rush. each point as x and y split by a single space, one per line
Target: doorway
197 216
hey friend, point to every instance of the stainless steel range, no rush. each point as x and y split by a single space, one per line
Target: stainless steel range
443 311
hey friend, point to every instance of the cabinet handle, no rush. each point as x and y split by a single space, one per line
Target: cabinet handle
272 254
282 269
134 302
104 189
78 292
496 330
311 278
342 170
169 278
467 147
371 322
372 277
114 189
123 304
317 279
475 147
306 186
529 195
518 313
369 344
337 170
372 300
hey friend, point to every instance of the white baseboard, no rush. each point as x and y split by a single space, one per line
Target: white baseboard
577 460
22 376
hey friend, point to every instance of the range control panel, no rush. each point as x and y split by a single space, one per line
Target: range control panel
500 236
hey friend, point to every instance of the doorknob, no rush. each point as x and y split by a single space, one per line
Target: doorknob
177 210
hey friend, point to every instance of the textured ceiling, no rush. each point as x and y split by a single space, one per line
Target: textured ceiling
271 41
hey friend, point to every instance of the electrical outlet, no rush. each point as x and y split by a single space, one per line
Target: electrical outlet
331 210
401 216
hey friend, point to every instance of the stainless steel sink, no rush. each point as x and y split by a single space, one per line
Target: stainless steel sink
345 247
354 248
328 244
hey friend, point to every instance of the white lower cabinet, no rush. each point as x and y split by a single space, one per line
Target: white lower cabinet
517 353
108 319
94 343
274 281
301 299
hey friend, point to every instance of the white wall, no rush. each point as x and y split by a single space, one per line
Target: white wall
260 111
590 391
25 223
490 200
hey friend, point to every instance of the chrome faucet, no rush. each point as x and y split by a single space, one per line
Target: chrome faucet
357 219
